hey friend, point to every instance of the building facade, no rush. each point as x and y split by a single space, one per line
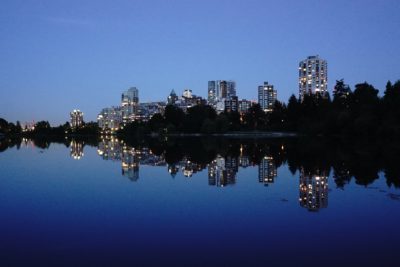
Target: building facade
313 77
110 119
267 96
232 104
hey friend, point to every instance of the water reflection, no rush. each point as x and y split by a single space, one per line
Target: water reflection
76 149
311 161
222 171
267 170
313 189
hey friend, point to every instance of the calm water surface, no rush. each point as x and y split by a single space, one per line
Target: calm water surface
262 203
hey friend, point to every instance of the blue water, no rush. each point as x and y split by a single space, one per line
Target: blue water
59 211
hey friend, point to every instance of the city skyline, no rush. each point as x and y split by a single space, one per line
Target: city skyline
58 57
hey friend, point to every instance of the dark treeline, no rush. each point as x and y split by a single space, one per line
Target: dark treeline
43 129
361 113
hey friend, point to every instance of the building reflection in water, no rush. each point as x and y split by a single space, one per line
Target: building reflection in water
222 171
130 163
189 168
76 149
313 189
267 170
131 158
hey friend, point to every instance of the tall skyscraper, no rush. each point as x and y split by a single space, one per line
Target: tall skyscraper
313 77
266 96
230 89
76 118
213 88
130 97
219 90
130 104
172 98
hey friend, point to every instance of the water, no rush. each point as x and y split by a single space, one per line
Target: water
199 203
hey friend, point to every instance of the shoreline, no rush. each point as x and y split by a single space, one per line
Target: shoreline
235 134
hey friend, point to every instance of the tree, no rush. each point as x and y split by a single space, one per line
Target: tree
341 90
254 118
174 115
3 126
277 118
293 109
195 117
156 123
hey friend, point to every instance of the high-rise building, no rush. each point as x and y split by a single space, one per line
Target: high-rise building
230 89
244 105
231 104
130 97
110 119
266 96
130 104
219 90
223 87
213 88
76 118
172 98
313 77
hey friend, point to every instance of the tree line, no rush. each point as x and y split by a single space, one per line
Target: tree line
43 129
358 113
361 112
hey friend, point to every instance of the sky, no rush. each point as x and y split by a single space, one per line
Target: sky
56 56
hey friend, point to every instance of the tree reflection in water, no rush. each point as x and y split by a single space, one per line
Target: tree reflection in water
312 160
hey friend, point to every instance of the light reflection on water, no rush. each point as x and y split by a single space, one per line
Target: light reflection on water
197 203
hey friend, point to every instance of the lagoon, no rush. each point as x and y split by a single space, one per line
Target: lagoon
198 202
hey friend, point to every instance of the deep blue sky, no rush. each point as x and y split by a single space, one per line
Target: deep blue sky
60 55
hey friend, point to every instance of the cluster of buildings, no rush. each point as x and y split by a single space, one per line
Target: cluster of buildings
221 94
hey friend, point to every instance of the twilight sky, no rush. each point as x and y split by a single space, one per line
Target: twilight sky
60 55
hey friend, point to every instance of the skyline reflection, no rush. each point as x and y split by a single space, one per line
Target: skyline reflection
222 160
